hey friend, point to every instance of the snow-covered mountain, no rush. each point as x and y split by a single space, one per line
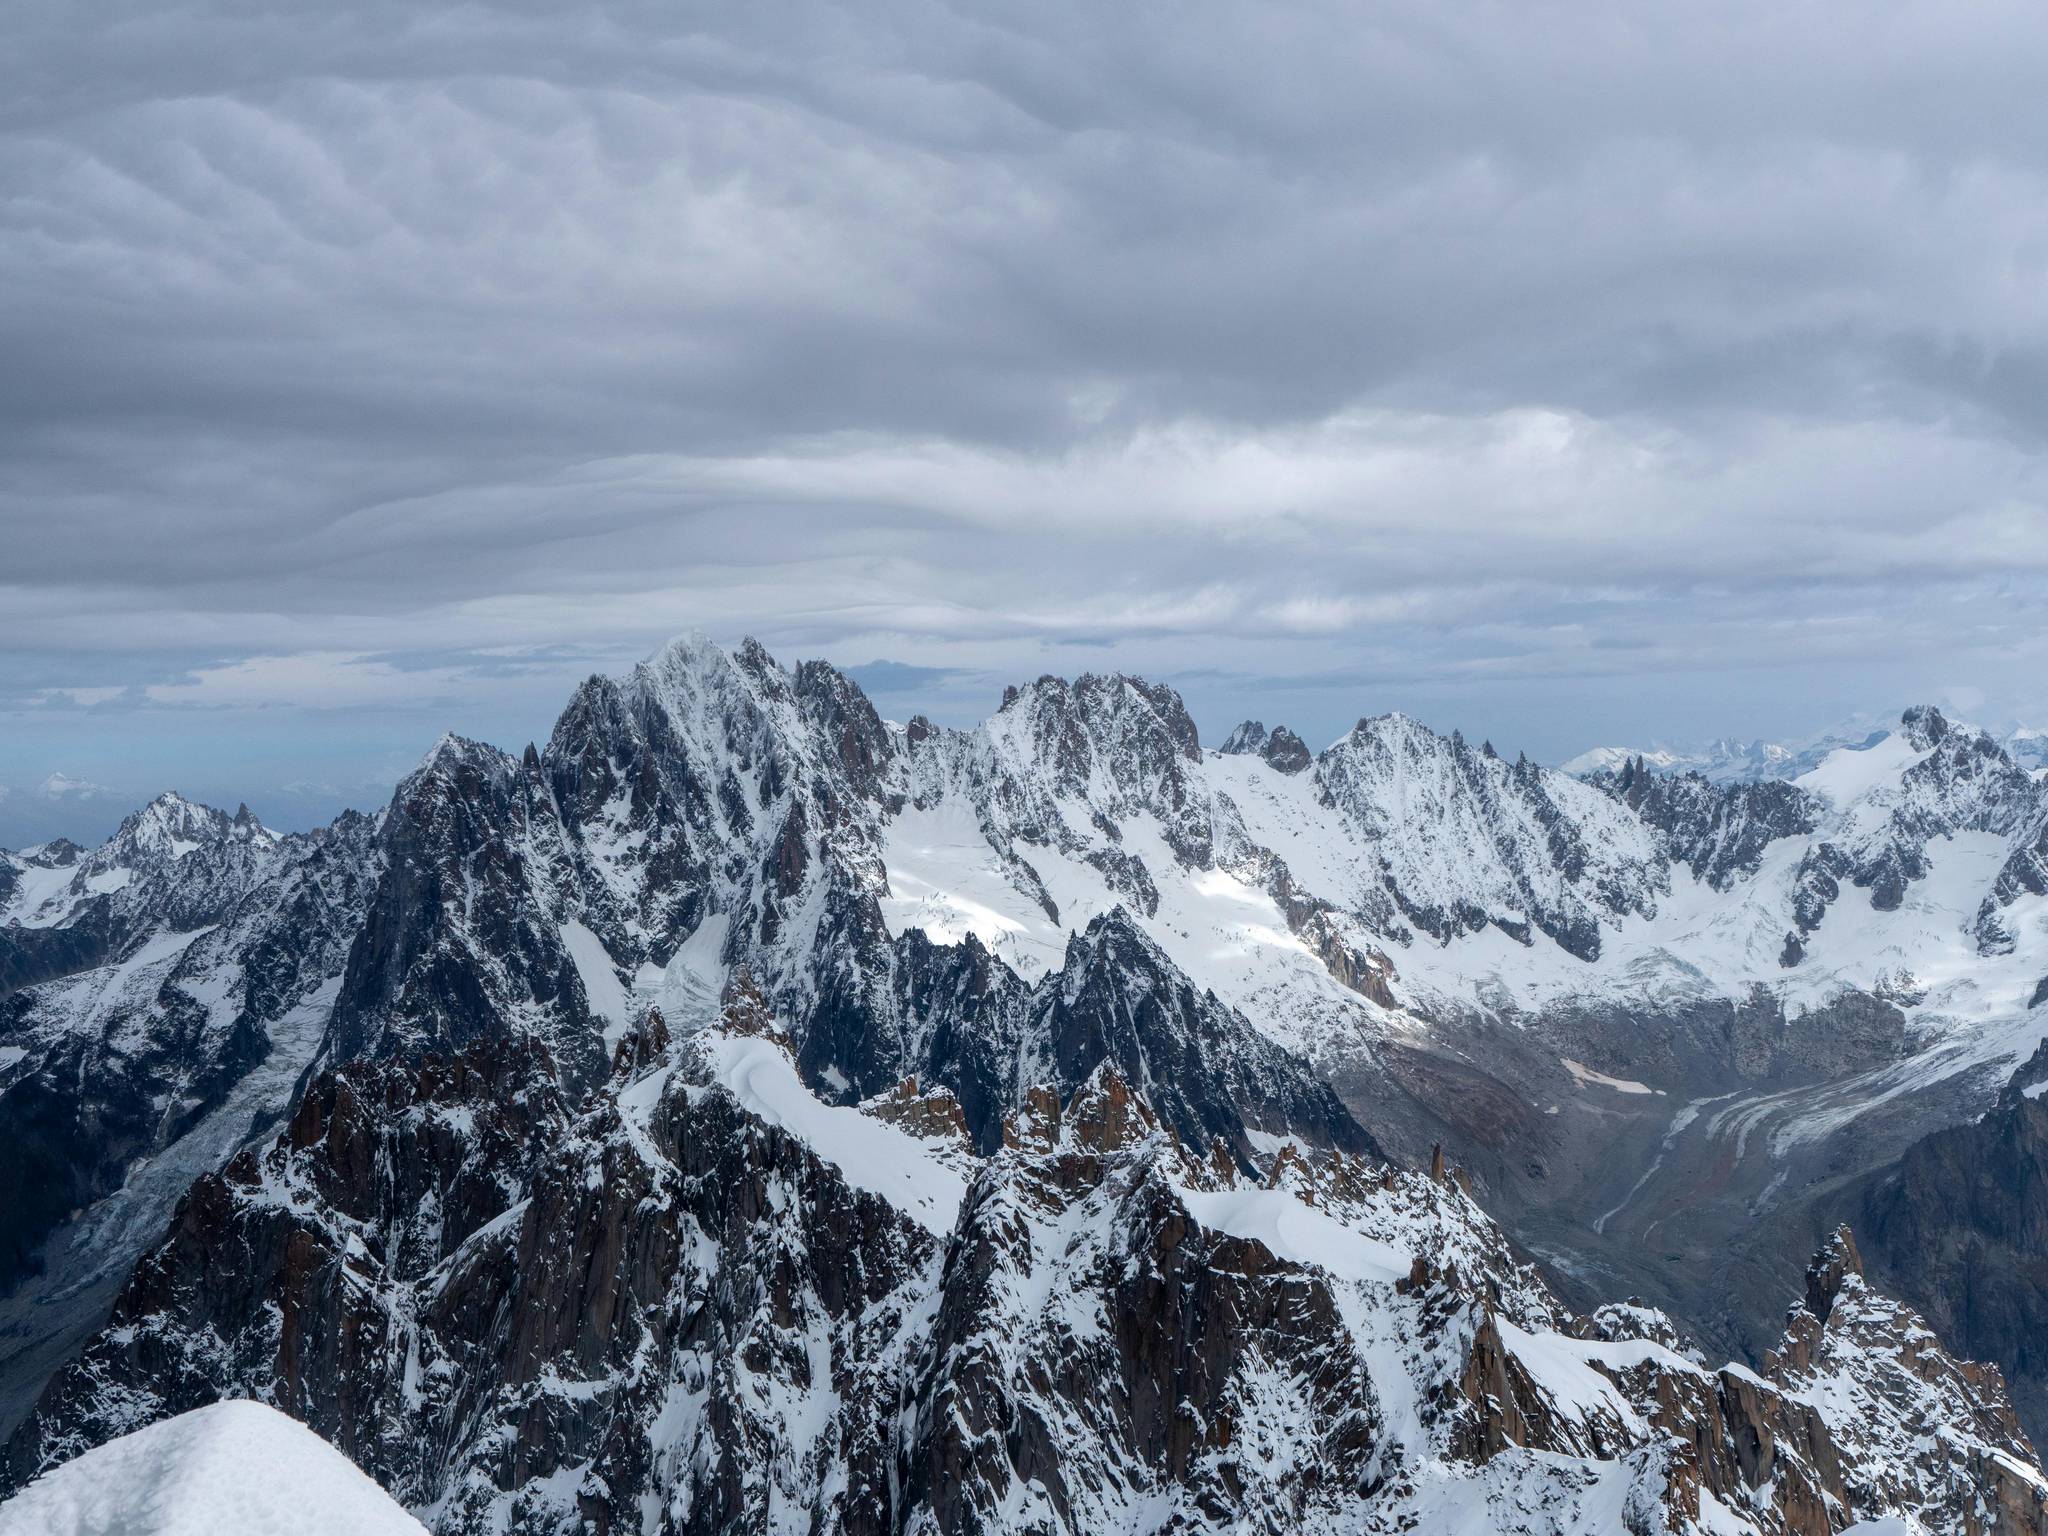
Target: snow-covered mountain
159 997
1727 760
1658 1018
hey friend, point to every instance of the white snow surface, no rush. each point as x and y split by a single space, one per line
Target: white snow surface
1391 801
601 985
230 1469
871 1154
1585 1076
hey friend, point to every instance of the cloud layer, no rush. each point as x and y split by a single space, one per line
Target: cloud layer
1562 372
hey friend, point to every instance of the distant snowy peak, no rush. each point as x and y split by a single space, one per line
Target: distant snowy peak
1732 761
1726 761
1280 747
1468 840
55 881
1597 760
2027 747
1107 740
64 786
1249 736
171 826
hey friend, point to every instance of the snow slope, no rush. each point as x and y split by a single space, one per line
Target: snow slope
231 1469
870 1155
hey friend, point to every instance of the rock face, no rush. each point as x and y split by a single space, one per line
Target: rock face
1465 840
1960 1226
1718 832
1920 1433
703 1300
723 802
1280 748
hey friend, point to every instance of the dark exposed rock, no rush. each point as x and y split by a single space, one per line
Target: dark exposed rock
1753 1040
1718 831
1283 751
1119 999
1927 1433
1286 752
1959 1227
987 1037
663 1305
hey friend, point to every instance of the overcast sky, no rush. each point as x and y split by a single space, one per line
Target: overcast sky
1564 372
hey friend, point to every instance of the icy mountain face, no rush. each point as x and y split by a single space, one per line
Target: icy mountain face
172 864
1871 818
1960 782
1719 833
714 813
1464 839
705 1300
172 861
190 946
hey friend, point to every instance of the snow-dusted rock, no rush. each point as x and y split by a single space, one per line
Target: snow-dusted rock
706 1300
184 954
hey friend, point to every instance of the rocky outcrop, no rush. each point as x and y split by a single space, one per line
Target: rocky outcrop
1959 1226
1921 1433
1718 831
1120 1000
1282 750
1169 1365
702 1300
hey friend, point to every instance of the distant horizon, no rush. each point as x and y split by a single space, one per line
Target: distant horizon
86 809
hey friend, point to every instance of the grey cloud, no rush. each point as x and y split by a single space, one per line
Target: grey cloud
419 359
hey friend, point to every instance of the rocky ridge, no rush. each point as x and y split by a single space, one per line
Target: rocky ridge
701 1299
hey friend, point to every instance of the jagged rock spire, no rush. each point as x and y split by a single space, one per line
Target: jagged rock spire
1836 1261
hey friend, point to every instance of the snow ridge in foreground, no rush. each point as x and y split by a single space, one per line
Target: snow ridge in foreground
230 1469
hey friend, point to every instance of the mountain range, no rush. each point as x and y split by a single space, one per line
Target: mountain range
745 1112
1729 760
